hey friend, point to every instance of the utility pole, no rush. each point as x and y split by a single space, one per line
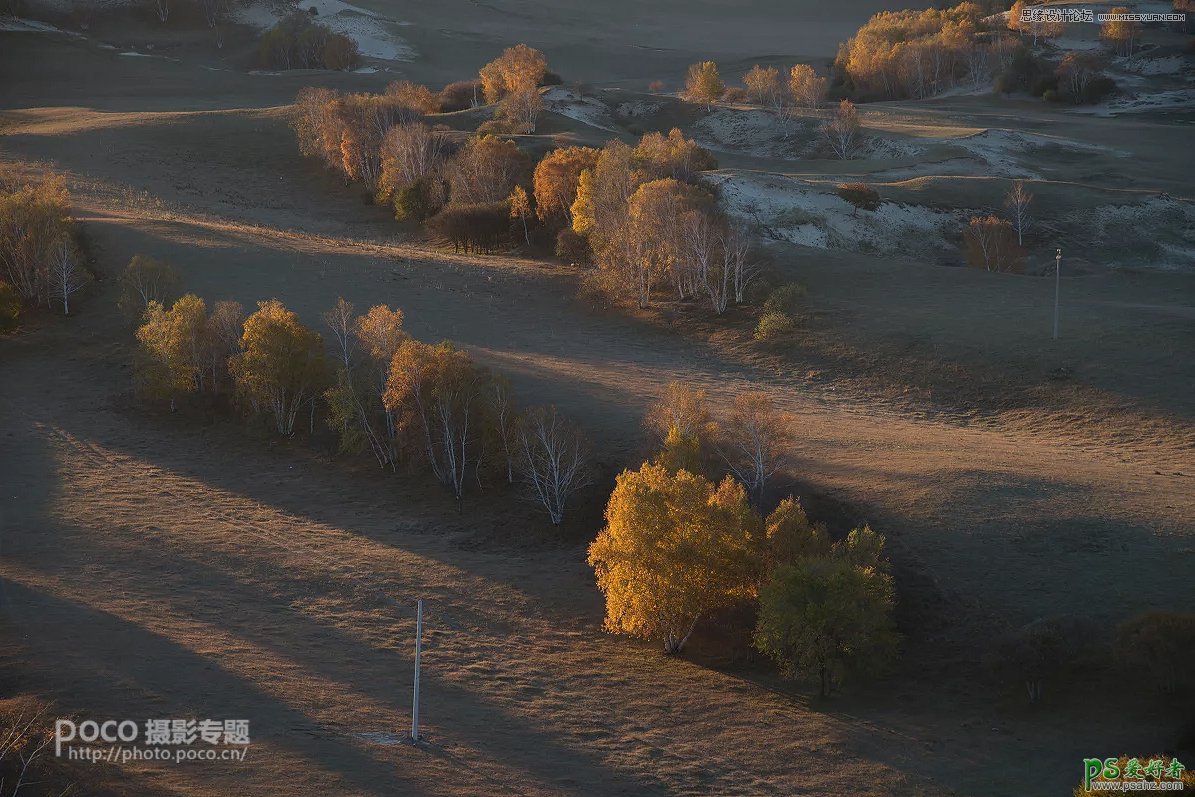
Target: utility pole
1057 287
418 653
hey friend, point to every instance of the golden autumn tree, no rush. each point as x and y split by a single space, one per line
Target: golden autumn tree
682 408
655 237
762 83
1122 34
164 366
704 85
520 210
281 366
519 68
805 86
555 182
438 397
675 548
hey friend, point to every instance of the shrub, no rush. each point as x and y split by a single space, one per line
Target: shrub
1158 647
551 79
860 196
1043 84
417 200
784 299
460 95
656 86
1052 95
1099 88
341 53
573 248
497 127
735 94
415 96
1047 649
774 326
482 227
10 308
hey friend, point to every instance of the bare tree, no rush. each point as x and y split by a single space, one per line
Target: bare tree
523 108
843 131
411 152
755 442
1017 201
340 320
163 7
990 245
701 239
67 276
146 280
555 459
223 330
502 407
736 254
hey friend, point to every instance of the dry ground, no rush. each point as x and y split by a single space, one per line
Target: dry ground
160 567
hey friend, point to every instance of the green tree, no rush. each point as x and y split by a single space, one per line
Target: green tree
281 365
791 537
675 547
822 615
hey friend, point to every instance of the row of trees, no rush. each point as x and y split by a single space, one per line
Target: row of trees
40 258
405 401
679 546
799 86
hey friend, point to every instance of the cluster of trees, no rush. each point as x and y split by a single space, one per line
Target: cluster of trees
40 259
637 212
406 402
649 224
799 86
997 244
1078 77
917 54
1153 649
679 546
296 42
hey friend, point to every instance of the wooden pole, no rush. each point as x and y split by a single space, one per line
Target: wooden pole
418 654
1057 288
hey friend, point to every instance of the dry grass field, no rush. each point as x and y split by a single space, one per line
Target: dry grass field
157 565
